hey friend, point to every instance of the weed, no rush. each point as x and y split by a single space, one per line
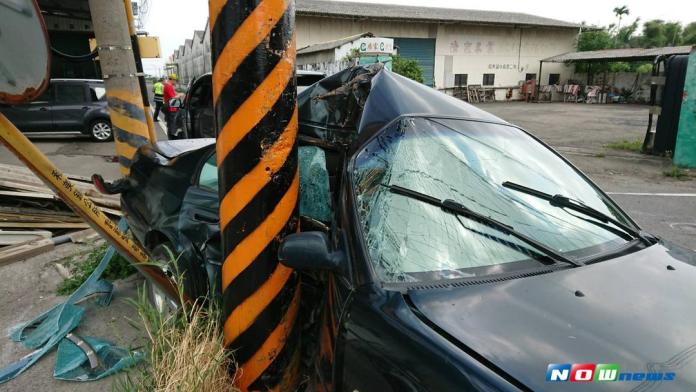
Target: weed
185 350
118 268
600 155
635 146
676 172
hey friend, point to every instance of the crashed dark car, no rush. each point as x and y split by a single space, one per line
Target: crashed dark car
462 253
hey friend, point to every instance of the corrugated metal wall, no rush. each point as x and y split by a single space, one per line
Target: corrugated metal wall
421 50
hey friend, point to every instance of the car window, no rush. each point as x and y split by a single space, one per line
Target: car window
308 80
314 193
97 93
209 176
200 96
68 93
467 161
45 97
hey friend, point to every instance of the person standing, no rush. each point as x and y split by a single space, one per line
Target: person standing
158 90
170 113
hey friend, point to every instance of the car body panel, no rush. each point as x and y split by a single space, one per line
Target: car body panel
632 311
53 113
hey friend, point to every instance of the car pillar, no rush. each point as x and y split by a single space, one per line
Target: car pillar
254 96
129 118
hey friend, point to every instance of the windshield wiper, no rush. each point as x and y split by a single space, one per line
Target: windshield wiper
566 202
459 209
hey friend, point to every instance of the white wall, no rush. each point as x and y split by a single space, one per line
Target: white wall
469 49
507 52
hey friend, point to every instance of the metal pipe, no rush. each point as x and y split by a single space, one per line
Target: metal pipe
254 95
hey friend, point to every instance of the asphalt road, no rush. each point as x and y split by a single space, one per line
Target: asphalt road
662 205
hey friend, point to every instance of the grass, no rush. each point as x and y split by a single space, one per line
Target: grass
676 172
625 145
184 350
118 268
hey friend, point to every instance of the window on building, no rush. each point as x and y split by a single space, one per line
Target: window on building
554 78
529 76
461 80
488 79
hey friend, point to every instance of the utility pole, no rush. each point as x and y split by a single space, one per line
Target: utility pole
141 71
254 95
128 115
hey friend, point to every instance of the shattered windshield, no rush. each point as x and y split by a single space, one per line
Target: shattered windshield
467 161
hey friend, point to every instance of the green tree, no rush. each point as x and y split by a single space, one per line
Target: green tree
673 33
408 68
594 40
654 34
620 12
689 34
624 36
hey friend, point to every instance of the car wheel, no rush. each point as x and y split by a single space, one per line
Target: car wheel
101 131
163 255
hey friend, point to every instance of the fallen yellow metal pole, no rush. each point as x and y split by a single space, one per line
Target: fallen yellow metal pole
35 160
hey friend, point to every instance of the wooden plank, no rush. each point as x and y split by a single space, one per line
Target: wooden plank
83 236
29 195
44 225
17 237
23 251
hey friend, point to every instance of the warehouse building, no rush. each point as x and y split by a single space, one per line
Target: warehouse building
454 47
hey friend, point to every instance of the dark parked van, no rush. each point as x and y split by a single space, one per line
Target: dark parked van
68 105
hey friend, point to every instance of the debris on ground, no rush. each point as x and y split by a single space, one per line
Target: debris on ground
33 219
78 358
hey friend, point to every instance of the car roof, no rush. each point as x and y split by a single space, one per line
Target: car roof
305 72
77 80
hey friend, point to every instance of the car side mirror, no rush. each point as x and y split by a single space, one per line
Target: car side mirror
175 103
310 251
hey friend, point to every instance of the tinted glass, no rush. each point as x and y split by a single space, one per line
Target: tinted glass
466 161
308 80
67 94
209 175
46 96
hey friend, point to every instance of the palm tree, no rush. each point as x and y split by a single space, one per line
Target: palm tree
620 12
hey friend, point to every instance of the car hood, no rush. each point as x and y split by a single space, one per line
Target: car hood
632 311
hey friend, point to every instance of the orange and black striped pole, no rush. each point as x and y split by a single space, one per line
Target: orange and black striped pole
254 93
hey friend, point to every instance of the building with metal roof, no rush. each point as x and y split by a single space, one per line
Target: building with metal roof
609 55
414 14
453 47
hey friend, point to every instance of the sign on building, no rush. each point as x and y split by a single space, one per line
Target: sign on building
376 45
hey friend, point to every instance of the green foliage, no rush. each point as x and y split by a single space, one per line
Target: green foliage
619 67
626 145
644 68
689 34
408 68
676 172
594 40
118 268
655 33
352 55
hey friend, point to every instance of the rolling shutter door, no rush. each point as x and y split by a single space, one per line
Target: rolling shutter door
421 50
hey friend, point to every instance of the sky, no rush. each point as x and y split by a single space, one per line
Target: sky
175 20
